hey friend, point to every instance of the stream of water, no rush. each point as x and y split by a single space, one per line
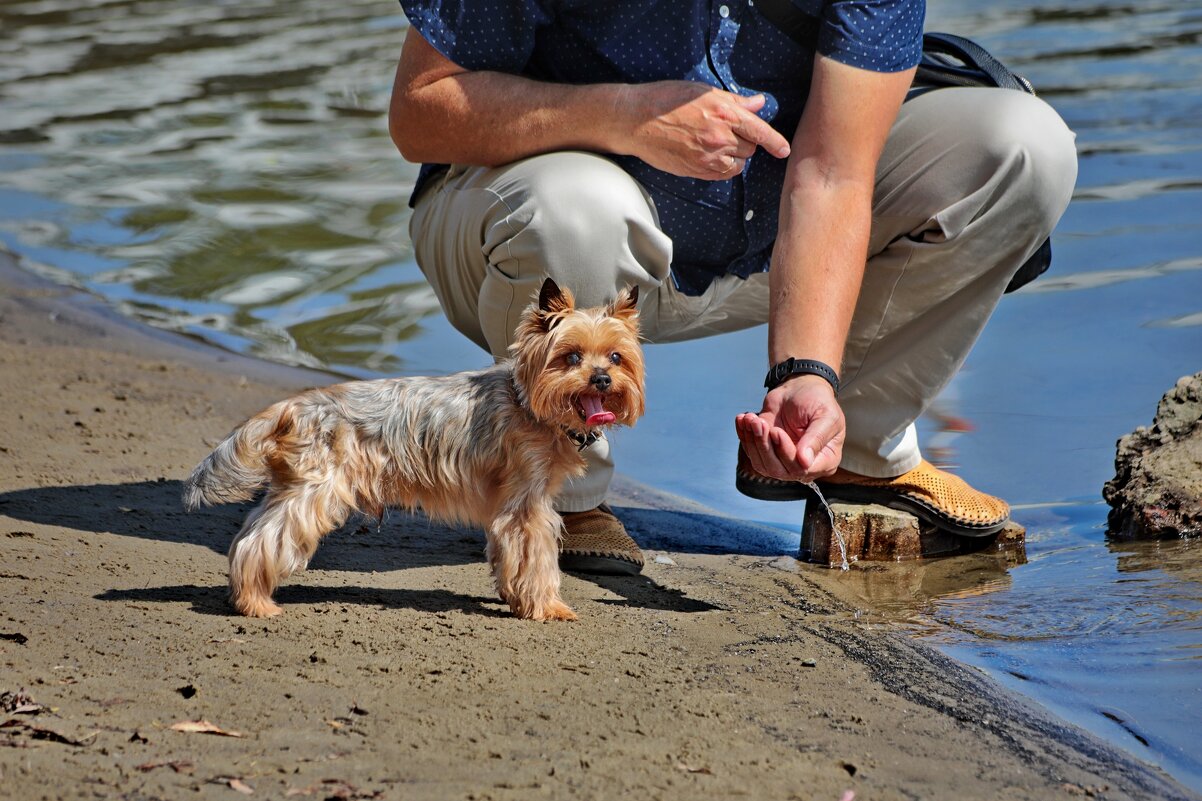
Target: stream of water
224 170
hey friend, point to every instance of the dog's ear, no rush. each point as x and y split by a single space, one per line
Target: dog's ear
553 304
625 304
553 300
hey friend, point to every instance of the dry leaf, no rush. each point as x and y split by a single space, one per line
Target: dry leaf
241 786
203 727
20 703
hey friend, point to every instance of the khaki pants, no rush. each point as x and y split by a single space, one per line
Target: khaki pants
970 183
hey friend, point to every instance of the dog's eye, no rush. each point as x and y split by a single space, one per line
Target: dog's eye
615 357
573 358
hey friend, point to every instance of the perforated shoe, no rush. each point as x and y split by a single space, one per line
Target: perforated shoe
934 496
596 542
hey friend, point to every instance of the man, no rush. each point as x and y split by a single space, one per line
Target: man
738 176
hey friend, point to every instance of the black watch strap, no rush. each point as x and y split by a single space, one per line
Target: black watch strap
791 367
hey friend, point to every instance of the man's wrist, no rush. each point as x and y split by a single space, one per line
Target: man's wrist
613 126
783 371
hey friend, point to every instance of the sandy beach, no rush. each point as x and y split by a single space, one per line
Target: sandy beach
395 672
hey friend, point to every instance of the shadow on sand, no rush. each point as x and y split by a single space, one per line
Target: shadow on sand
151 510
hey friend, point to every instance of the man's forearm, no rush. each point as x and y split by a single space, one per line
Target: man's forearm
491 118
817 266
443 113
826 210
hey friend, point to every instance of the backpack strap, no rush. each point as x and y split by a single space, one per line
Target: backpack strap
950 60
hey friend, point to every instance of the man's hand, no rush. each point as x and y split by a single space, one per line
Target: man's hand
696 131
798 436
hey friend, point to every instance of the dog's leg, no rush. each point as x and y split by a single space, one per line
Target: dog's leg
277 539
253 560
523 550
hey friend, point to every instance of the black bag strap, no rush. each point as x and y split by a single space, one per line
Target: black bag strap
950 60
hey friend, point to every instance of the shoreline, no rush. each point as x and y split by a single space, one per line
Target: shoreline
394 669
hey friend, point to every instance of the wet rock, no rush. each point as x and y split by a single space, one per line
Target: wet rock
1157 489
874 533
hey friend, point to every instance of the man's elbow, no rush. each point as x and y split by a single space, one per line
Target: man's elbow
405 131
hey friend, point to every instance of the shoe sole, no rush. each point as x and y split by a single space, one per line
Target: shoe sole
795 491
598 565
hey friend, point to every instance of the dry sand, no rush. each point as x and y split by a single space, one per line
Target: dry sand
395 672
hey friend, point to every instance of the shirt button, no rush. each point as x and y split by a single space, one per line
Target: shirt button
723 11
750 213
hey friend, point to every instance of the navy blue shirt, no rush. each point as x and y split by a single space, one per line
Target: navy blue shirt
717 227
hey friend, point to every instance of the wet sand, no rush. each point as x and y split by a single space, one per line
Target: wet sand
395 672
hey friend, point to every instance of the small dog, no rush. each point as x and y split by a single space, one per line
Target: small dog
491 448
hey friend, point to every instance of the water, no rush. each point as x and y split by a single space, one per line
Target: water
843 565
224 170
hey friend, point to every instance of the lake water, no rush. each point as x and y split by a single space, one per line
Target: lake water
224 170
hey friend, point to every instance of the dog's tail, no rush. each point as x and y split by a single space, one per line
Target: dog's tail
238 466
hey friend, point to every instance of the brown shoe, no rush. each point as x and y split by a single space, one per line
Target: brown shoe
596 542
935 496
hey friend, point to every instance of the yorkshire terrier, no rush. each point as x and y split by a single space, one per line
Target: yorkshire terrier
491 448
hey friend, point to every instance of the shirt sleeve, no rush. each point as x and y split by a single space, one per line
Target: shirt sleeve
495 35
876 35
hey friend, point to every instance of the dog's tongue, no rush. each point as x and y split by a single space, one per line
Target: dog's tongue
594 414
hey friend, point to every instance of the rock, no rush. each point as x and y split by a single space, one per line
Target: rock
878 534
1157 489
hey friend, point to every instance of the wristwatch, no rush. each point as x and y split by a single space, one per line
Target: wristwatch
791 367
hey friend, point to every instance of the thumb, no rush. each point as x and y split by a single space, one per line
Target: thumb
815 438
753 103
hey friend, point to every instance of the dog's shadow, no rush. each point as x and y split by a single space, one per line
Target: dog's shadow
214 600
151 510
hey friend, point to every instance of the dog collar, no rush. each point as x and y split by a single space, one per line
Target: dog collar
580 439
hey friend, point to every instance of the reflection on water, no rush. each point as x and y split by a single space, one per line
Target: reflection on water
1101 635
912 593
225 170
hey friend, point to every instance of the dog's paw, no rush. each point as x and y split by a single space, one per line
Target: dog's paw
258 607
556 610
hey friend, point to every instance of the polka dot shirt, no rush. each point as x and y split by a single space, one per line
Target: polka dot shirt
717 227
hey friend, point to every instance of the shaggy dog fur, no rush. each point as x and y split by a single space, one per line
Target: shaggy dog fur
490 448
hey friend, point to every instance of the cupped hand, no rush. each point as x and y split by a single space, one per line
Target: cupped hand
799 434
696 131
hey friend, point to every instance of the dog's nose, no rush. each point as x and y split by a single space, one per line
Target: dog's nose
600 380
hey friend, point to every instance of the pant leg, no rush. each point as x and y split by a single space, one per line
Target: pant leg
970 183
486 238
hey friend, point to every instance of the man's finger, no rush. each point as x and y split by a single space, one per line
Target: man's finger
757 442
785 450
815 439
728 168
750 127
744 149
750 102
